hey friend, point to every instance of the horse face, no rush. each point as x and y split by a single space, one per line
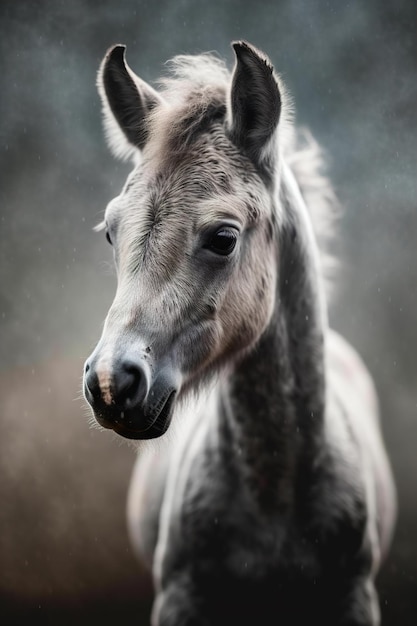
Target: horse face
193 237
196 281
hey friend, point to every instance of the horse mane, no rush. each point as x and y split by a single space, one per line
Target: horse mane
308 162
199 70
193 95
195 92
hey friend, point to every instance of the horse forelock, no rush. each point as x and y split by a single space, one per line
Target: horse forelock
193 97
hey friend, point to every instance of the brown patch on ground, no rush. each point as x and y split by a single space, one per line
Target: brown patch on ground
63 539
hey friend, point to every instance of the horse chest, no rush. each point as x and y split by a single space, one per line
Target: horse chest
234 565
239 567
215 523
215 520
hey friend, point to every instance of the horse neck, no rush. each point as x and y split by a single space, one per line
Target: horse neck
272 404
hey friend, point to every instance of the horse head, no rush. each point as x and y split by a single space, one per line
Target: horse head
193 232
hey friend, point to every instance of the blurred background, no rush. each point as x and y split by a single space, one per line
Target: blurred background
351 68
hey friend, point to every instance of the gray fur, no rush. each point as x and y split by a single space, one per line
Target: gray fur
273 500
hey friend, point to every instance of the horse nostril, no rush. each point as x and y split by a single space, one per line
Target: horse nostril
130 385
91 384
125 385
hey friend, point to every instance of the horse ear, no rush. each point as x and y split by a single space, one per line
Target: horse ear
127 101
255 104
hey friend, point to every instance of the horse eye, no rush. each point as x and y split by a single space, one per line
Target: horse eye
223 241
108 238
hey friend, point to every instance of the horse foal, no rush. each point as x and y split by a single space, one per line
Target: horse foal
274 501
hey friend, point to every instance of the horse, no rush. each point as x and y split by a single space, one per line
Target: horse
271 498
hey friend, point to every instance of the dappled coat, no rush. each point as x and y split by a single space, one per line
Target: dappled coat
270 499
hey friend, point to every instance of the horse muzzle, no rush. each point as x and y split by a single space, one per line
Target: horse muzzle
131 397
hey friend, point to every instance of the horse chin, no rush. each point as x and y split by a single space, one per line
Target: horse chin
130 423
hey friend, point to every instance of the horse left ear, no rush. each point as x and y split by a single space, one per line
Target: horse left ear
255 105
127 101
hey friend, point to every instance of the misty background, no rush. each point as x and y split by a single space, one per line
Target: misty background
351 69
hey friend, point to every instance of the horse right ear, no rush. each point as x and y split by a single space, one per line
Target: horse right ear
127 101
254 105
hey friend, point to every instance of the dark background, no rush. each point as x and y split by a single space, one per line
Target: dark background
351 67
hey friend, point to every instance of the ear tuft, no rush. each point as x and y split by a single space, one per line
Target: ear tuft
248 53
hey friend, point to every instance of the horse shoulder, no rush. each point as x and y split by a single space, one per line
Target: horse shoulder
154 482
144 501
163 486
363 491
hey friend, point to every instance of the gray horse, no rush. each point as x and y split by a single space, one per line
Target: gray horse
270 500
